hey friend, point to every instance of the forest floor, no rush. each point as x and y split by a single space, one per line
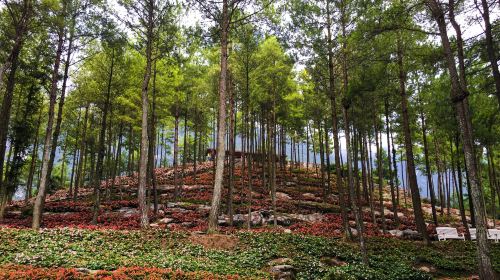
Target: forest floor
307 243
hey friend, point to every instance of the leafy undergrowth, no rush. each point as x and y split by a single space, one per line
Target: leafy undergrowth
162 254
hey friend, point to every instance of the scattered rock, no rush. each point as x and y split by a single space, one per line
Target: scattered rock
308 196
315 217
282 196
204 207
173 204
256 218
411 234
354 232
427 268
283 272
239 219
396 232
280 220
165 221
223 222
288 184
128 212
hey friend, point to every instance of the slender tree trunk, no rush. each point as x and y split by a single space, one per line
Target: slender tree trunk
73 164
57 129
152 146
307 151
410 163
219 171
231 149
336 145
370 177
115 169
380 170
322 159
459 190
34 159
328 171
354 206
176 154
143 157
428 171
389 161
364 174
81 163
395 167
101 145
45 176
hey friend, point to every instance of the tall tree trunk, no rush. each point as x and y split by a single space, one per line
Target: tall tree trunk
328 171
389 162
459 97
143 157
152 145
350 179
116 165
459 190
322 159
336 145
83 147
428 171
395 168
101 145
369 170
34 159
45 176
75 151
231 149
380 170
175 160
410 160
219 171
57 129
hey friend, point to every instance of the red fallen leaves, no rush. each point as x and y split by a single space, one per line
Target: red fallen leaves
76 220
331 226
67 206
81 206
18 272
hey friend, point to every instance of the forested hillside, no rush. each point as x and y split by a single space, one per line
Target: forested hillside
249 139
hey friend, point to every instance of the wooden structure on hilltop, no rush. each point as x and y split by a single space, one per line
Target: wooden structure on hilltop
211 154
